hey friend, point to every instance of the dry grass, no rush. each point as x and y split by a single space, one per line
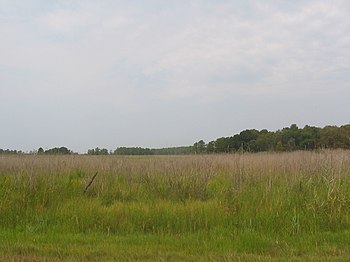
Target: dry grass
268 205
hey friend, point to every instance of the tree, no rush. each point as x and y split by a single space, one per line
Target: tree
211 147
291 137
265 141
98 151
309 137
334 137
248 138
222 145
58 151
199 147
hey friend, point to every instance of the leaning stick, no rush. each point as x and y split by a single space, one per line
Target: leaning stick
90 182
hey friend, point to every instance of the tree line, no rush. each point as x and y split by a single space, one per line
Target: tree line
55 151
142 151
52 151
9 152
287 139
249 140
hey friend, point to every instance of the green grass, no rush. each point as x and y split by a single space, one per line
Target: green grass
288 206
183 247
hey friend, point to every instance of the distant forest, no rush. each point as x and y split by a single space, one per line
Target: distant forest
250 140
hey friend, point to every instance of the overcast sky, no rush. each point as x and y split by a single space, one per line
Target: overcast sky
163 73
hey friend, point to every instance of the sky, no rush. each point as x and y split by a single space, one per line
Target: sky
163 73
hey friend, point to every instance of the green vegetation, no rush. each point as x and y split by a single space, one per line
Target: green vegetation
9 152
261 206
98 151
181 150
55 151
288 139
251 140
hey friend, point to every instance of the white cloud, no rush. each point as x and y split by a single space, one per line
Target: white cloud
67 21
270 47
130 56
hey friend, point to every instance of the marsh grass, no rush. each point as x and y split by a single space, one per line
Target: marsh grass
208 207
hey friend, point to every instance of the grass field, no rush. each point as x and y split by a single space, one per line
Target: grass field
247 207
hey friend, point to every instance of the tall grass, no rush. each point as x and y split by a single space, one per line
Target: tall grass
275 195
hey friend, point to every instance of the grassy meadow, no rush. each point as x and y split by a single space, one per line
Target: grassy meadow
247 207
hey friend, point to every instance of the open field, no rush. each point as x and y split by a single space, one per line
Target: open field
264 206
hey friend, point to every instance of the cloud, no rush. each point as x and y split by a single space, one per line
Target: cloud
248 48
67 21
130 57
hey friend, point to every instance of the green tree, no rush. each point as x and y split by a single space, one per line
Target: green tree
199 147
248 138
265 141
58 151
334 137
211 147
291 137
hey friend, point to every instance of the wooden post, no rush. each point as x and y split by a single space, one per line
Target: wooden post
90 182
